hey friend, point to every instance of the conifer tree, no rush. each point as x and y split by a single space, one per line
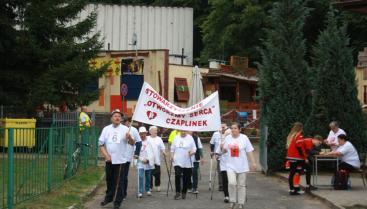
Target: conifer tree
283 80
334 87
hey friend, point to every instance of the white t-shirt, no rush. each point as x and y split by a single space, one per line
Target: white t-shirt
223 159
146 153
135 134
237 153
350 154
180 149
200 146
333 137
159 147
114 139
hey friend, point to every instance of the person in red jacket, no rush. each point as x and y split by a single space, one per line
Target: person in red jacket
294 155
299 151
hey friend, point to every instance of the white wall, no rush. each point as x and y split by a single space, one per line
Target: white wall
156 27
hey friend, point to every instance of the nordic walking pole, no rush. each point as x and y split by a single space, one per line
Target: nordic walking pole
117 182
213 185
192 172
169 174
210 173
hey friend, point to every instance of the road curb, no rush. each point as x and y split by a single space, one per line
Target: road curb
323 199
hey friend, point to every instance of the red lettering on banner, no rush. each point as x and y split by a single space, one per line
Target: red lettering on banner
205 111
179 122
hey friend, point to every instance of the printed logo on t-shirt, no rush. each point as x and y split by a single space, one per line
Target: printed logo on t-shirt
235 150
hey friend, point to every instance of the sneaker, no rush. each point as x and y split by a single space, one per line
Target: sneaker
158 189
195 191
140 195
116 205
294 193
183 196
312 187
105 202
231 205
149 193
240 206
226 199
177 196
190 191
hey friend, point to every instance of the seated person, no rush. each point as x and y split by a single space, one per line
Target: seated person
332 139
347 153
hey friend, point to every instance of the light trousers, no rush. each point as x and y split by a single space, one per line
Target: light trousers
236 187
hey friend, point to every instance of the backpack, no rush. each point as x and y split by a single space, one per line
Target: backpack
340 180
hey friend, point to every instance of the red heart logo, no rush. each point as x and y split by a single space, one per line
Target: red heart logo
151 115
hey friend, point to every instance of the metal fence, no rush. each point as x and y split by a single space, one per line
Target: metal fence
34 161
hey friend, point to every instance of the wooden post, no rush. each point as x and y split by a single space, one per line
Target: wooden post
238 95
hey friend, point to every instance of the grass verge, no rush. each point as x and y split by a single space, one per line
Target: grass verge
71 193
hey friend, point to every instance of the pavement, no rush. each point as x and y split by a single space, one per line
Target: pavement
357 195
264 192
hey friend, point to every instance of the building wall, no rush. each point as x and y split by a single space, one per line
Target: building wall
180 71
110 83
361 83
155 28
361 75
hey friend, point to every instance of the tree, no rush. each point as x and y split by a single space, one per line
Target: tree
283 80
55 54
334 89
9 79
233 28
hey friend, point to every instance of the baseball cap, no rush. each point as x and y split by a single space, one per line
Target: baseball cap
117 111
142 130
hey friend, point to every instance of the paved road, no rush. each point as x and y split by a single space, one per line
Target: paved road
263 193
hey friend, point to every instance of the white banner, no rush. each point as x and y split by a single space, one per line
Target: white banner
154 109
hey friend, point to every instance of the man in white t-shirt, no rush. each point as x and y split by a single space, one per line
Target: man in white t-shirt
348 154
215 141
182 148
159 148
114 142
332 139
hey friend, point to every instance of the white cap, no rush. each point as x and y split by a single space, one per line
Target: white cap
152 127
142 130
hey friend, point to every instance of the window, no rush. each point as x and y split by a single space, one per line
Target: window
365 95
181 90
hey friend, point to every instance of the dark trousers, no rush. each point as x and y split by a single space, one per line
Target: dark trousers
308 170
115 177
195 175
185 173
125 179
157 176
225 183
292 172
346 166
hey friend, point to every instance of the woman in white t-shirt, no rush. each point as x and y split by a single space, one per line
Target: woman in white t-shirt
159 148
348 154
222 166
239 149
183 147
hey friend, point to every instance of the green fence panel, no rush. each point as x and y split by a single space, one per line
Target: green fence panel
36 160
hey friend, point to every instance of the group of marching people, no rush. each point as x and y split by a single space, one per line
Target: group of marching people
120 144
